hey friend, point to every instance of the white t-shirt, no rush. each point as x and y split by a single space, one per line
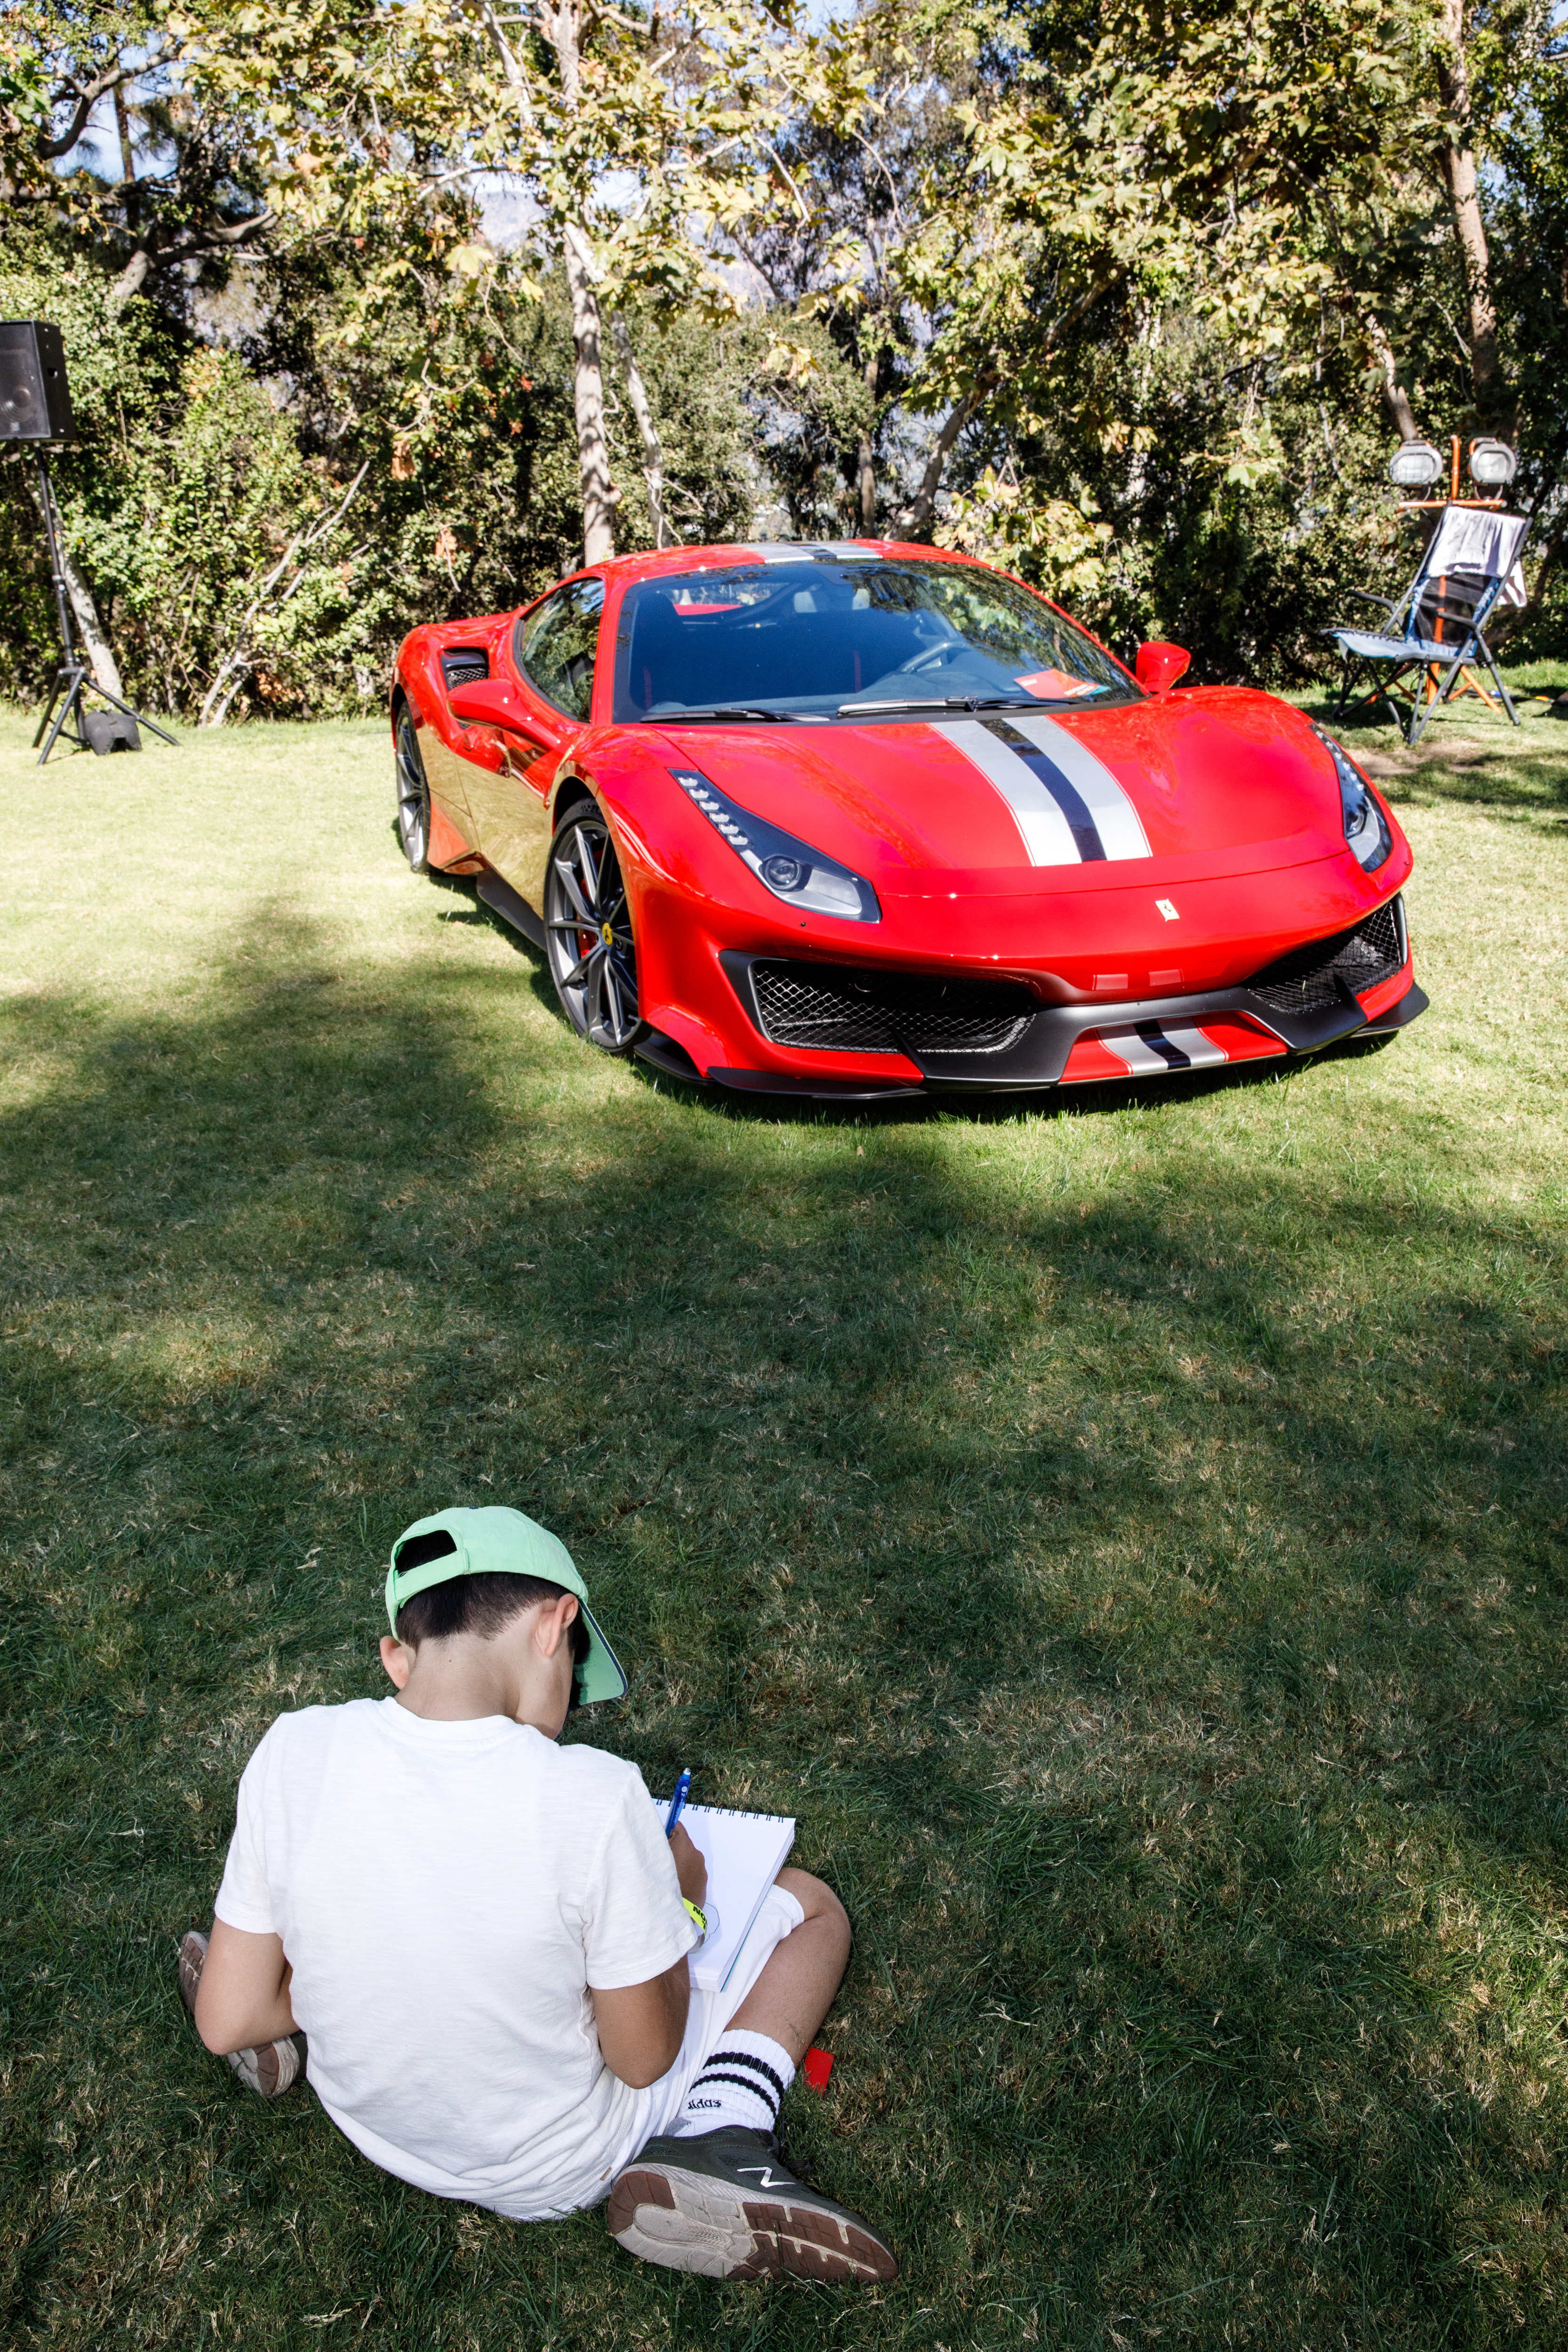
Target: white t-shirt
445 1894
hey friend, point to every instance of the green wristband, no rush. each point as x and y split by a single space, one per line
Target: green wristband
698 1918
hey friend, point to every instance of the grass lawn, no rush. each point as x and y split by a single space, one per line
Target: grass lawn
1128 1530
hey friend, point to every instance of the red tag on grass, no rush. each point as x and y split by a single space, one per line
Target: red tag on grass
817 2066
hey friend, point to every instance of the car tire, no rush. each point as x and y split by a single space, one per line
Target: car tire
413 794
589 944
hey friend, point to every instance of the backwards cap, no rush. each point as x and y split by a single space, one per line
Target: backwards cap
495 1540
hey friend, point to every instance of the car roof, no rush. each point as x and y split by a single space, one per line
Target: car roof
623 570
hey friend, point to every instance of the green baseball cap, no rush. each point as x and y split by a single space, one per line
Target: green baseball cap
496 1541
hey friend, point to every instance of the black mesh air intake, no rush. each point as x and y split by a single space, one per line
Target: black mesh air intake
464 666
840 1011
1305 980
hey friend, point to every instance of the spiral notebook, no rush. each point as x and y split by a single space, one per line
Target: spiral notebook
744 1853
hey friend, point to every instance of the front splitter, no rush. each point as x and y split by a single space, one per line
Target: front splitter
1039 1060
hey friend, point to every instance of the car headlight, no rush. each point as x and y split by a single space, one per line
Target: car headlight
791 870
1366 828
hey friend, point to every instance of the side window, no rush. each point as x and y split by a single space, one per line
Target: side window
555 645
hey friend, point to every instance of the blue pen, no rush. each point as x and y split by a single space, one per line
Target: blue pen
676 1803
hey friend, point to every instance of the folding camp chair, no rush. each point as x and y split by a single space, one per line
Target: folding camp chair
1436 628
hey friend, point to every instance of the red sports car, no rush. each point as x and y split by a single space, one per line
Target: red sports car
859 819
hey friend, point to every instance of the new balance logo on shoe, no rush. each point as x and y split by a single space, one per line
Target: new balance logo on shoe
765 2176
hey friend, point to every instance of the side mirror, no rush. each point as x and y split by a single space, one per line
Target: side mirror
491 700
1158 666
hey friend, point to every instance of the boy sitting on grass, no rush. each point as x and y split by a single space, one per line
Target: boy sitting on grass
484 1937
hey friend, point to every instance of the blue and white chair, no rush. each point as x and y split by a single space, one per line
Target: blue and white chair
1436 629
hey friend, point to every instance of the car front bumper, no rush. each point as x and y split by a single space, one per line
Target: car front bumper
1068 1044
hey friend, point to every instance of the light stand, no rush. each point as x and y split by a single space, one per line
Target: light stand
74 678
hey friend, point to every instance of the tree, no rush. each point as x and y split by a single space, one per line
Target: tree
830 251
1242 163
1121 295
637 141
187 192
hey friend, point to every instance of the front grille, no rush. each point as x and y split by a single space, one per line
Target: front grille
464 666
1306 980
842 1011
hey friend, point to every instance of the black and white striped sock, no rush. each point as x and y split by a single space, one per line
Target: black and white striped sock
741 2082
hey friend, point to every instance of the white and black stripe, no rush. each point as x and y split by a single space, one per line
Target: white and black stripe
758 2077
1067 804
1150 1048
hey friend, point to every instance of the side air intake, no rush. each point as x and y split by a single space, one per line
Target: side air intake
464 666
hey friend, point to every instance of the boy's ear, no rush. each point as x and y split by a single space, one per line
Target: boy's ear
398 1660
550 1627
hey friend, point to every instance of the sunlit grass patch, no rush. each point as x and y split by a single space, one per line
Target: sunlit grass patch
1127 1531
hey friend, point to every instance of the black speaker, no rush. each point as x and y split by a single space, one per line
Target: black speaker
35 398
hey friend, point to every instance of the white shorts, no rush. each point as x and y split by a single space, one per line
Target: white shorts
707 2021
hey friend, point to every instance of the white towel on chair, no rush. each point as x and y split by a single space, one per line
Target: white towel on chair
1479 538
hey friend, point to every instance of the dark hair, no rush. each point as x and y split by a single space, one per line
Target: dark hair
482 1605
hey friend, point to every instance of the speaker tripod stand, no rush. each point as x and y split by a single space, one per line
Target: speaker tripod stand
91 731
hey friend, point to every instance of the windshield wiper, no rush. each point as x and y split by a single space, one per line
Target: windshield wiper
964 702
717 711
1034 701
911 702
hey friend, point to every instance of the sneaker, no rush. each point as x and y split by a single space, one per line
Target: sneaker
723 2203
271 2068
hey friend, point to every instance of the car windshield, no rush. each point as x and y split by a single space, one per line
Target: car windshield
829 637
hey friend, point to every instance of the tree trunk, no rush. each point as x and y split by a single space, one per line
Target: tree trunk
1493 398
127 155
130 279
1396 398
220 695
915 522
653 453
563 28
100 652
866 459
588 398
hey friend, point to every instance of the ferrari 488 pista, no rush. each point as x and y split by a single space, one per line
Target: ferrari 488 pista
856 819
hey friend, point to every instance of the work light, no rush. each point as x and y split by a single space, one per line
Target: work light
1493 464
1414 466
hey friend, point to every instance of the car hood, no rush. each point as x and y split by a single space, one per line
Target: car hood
1181 787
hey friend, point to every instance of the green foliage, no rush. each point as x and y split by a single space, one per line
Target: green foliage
124 374
699 379
199 467
1185 516
1169 274
811 406
1183 266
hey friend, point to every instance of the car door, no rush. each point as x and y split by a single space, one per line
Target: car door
553 649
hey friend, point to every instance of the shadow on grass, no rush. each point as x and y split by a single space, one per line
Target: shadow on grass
1145 1592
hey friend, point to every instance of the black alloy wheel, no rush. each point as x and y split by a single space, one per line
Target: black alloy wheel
588 928
413 795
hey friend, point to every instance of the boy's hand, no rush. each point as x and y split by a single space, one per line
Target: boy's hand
690 1866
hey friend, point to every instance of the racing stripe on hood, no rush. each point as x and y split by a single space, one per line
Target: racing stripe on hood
1067 804
1116 819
